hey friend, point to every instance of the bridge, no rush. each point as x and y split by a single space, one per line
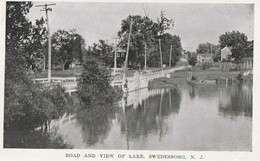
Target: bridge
136 82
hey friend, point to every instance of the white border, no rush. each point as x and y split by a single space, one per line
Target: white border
43 155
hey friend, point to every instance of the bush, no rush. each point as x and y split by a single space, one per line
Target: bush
206 65
95 85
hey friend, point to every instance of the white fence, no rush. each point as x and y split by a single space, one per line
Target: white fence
70 88
56 79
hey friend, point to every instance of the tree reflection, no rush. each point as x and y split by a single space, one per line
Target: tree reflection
203 91
96 122
239 101
149 116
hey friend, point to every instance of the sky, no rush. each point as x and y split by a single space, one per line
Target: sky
194 23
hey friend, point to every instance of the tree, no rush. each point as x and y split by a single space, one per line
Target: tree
66 46
17 25
142 34
37 45
207 48
145 32
238 43
21 35
95 85
167 41
192 58
27 105
103 52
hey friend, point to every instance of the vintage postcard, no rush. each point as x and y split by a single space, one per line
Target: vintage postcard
129 80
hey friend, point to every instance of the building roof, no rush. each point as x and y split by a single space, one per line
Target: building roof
120 50
226 48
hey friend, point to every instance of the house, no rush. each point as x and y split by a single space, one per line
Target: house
120 53
120 57
225 53
184 57
205 57
75 64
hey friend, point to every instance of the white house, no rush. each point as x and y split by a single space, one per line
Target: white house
225 53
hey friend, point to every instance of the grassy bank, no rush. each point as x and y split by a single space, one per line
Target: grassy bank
205 74
59 73
161 83
180 77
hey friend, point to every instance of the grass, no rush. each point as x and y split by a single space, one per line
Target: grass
58 73
205 74
180 77
161 83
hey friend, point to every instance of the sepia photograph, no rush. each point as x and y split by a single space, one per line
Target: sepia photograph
128 76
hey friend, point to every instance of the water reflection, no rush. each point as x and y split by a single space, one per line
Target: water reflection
96 122
236 101
183 118
148 116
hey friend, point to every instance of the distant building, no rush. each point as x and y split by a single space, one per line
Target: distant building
205 57
120 52
120 57
75 64
184 57
225 53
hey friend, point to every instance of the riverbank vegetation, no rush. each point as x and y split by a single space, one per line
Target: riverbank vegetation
161 83
180 77
28 107
94 88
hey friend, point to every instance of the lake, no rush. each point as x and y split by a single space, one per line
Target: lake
200 117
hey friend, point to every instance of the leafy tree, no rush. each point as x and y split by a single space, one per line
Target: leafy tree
103 52
27 105
22 35
145 32
17 25
37 45
66 46
163 24
207 48
167 41
95 85
142 33
238 43
192 58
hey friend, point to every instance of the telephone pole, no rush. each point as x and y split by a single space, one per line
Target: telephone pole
115 64
170 58
126 58
145 57
46 9
160 48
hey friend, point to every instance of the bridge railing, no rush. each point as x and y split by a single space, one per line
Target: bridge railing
116 83
56 79
69 88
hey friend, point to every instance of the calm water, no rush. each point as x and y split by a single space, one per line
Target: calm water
203 117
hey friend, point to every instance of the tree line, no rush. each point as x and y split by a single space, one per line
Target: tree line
68 46
237 41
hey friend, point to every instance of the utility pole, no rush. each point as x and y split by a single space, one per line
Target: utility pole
46 9
44 66
145 57
161 55
170 57
126 58
115 57
210 49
